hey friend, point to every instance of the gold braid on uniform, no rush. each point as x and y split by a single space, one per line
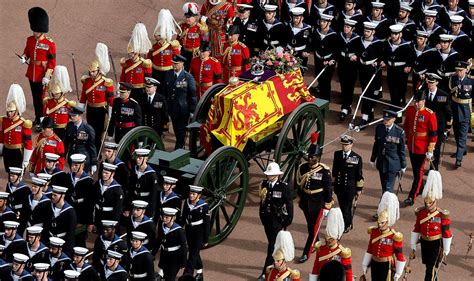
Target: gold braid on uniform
262 192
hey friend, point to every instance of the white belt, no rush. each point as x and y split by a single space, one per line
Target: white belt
197 222
60 235
368 62
142 193
323 57
347 55
447 74
78 200
18 206
398 63
300 48
421 72
107 209
141 275
172 249
274 42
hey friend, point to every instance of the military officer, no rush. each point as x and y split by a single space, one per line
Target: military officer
272 30
15 131
461 41
80 265
6 213
192 32
300 34
155 113
196 221
40 51
248 27
445 62
439 102
17 194
348 67
236 55
388 152
279 270
107 240
347 178
109 155
41 271
181 97
39 206
205 69
19 271
432 227
58 260
141 260
330 249
173 246
315 190
167 198
126 113
461 96
421 128
80 138
138 221
409 26
58 176
46 142
12 241
81 196
385 249
429 25
98 92
37 251
113 270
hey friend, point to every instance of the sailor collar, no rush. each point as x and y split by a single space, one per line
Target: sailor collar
113 184
62 257
117 162
146 219
65 207
148 169
7 211
140 251
84 268
43 198
83 176
199 204
54 172
21 185
114 240
353 36
16 239
164 199
330 32
174 227
40 249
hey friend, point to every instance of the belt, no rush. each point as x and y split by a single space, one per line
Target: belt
14 146
420 134
456 100
17 206
107 209
194 223
368 62
59 235
347 55
447 74
191 50
141 275
172 249
397 63
234 68
60 126
323 57
162 68
299 48
39 62
98 104
138 86
80 200
309 191
274 42
382 259
142 194
431 238
205 84
125 124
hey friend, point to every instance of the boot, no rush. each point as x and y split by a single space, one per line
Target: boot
199 277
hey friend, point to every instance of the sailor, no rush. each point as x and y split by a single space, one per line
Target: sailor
80 265
138 221
41 272
52 168
39 206
141 260
12 241
37 251
273 31
19 271
17 194
300 34
167 198
6 212
109 155
58 260
113 271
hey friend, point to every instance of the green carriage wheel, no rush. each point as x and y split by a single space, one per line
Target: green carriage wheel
294 138
200 115
224 176
139 137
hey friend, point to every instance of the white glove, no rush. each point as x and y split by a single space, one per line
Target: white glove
403 170
203 19
366 262
325 212
313 277
429 155
26 157
396 277
45 81
372 164
447 245
23 59
415 236
399 268
191 115
110 111
93 169
32 175
1 148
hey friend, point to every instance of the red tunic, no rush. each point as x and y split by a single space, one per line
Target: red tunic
42 56
134 72
235 60
384 246
161 54
218 16
206 73
97 93
435 227
16 133
191 36
58 111
52 144
325 254
274 274
421 129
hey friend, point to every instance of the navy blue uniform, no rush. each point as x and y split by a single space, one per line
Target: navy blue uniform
248 33
101 246
81 140
109 204
6 215
146 226
143 186
41 255
18 201
63 225
173 250
299 41
17 245
141 265
155 113
63 262
271 35
88 273
126 115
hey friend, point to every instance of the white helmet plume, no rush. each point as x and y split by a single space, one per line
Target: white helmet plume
165 26
102 54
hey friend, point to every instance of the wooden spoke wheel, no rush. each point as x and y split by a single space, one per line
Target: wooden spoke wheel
224 176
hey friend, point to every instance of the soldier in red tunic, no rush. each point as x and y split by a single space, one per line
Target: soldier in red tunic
385 251
219 15
432 227
205 69
46 142
15 132
98 92
136 67
165 46
284 252
330 249
192 32
421 129
235 58
40 50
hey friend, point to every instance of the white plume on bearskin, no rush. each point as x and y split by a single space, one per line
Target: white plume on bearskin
190 6
139 42
61 78
434 186
389 203
102 54
335 224
17 96
284 242
165 27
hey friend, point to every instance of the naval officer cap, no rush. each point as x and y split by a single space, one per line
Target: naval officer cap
80 251
56 241
169 211
20 258
432 77
150 81
138 235
109 167
78 158
11 224
34 230
345 139
170 180
244 7
195 188
139 204
59 189
41 267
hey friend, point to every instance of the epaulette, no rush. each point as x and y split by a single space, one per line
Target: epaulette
45 100
146 62
445 214
58 139
369 230
27 123
242 44
397 236
84 78
429 110
325 166
71 103
419 209
345 252
317 245
175 44
108 82
133 100
49 38
295 273
268 269
203 27
214 59
123 61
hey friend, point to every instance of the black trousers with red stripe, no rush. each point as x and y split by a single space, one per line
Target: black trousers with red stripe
417 164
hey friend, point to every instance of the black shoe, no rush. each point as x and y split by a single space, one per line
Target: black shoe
199 277
261 277
349 228
342 116
158 277
408 202
362 124
303 258
375 217
458 163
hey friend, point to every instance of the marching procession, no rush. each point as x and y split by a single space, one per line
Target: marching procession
73 210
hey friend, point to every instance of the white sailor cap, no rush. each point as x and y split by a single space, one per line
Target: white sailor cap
138 235
11 224
169 211
109 167
44 176
195 188
16 171
422 33
3 195
20 258
471 2
326 17
56 241
370 25
41 267
456 19
114 254
38 181
270 8
78 158
80 251
142 152
72 274
396 28
52 156
405 6
139 204
350 22
430 13
297 11
378 5
59 189
34 230
109 223
170 180
110 145
244 7
446 37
